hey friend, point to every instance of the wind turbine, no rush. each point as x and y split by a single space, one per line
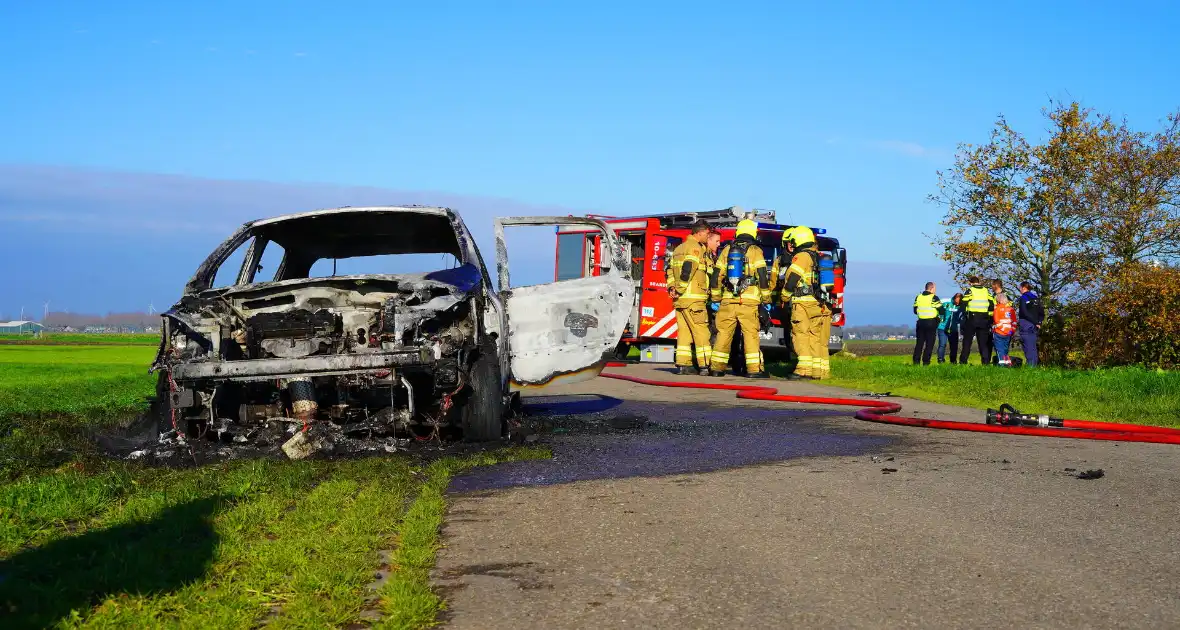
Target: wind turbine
151 307
22 313
46 315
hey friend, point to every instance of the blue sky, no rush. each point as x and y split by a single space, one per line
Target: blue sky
836 115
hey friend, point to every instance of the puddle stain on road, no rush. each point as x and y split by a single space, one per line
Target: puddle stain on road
600 437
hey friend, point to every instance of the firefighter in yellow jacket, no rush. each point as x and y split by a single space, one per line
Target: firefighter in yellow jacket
741 283
688 284
796 281
712 244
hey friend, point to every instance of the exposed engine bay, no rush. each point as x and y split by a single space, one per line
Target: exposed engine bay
357 355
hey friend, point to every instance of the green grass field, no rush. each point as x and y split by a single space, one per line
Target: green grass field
89 541
107 339
1125 394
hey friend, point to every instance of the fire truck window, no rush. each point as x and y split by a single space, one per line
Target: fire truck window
635 244
770 252
571 256
671 244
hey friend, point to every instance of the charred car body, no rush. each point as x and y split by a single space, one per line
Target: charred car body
258 355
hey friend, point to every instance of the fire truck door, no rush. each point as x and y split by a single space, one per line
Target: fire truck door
565 331
657 318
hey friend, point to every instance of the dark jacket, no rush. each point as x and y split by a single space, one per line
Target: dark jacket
1024 312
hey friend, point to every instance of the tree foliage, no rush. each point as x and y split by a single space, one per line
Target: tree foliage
1090 216
1133 320
1138 194
1059 213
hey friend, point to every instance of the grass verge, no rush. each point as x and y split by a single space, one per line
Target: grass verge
235 545
50 395
87 541
1133 395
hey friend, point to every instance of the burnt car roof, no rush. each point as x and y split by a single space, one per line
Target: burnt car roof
465 252
436 210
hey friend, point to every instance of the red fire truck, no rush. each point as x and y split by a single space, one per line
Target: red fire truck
652 326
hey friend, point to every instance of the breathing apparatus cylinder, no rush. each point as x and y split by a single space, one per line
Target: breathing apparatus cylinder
827 279
827 272
735 266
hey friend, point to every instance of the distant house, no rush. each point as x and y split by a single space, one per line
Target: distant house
20 328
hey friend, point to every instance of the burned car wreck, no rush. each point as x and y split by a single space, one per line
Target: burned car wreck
328 327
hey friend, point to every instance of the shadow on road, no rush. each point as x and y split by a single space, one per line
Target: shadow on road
41 586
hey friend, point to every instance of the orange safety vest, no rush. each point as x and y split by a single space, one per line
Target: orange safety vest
1002 318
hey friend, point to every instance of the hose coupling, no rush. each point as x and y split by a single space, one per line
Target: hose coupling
1009 416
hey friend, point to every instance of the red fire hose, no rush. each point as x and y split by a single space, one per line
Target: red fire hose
878 410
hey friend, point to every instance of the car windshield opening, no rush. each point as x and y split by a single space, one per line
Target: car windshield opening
363 243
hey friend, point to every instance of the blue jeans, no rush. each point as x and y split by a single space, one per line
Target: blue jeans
1028 339
1001 343
945 337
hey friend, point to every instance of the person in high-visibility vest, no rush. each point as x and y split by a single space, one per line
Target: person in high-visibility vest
688 284
796 274
928 308
1003 327
978 306
741 285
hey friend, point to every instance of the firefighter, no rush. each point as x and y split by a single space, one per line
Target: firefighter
688 284
712 243
796 274
820 365
977 320
741 285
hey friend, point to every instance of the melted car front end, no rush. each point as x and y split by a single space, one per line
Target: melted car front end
372 356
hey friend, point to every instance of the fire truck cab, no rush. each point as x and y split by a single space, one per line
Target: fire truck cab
652 325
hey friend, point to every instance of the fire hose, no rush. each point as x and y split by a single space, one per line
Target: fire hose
1006 419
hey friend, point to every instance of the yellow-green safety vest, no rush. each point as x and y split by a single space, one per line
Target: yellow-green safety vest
927 306
978 299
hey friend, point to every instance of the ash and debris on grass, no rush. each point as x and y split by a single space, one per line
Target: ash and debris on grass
142 442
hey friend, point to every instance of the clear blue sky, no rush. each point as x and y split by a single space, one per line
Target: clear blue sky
836 114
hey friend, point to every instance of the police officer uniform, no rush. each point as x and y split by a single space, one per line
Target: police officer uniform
977 322
928 308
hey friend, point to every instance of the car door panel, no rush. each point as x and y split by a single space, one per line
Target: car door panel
564 332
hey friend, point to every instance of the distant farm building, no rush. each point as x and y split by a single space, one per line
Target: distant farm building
20 328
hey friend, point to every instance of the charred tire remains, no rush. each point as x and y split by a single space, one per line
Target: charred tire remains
481 412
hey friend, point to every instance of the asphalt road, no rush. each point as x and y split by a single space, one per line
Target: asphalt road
672 508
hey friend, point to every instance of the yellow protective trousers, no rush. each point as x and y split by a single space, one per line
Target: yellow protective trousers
820 366
729 316
806 327
692 328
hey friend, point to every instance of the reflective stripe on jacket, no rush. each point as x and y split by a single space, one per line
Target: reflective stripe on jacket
801 265
927 305
1004 319
979 300
695 289
720 290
